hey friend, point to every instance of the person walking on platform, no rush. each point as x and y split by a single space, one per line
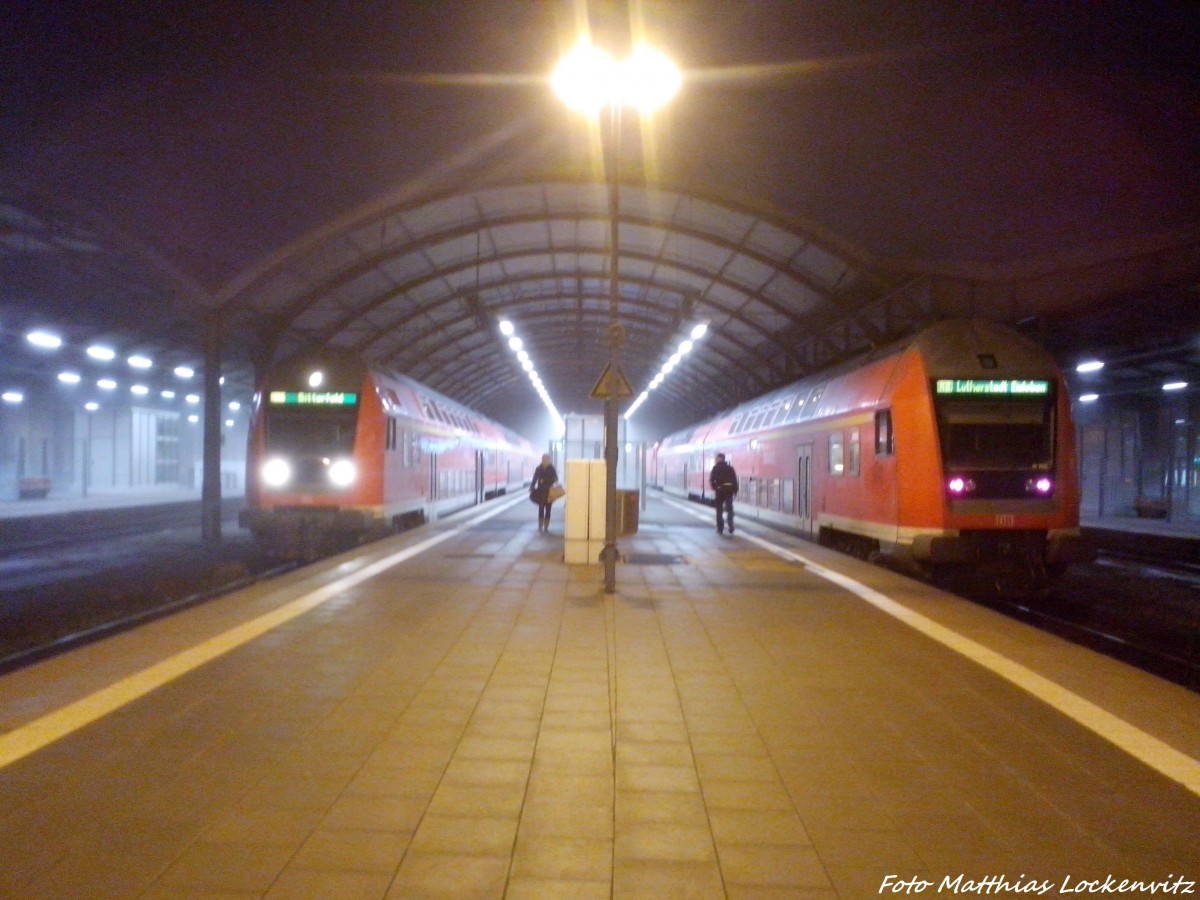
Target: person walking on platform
545 477
724 482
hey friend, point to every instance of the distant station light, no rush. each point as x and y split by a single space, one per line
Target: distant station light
91 406
106 384
1174 385
140 389
140 362
69 377
1091 365
100 353
1088 398
13 397
192 398
44 340
184 372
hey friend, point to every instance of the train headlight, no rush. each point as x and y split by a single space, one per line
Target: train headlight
960 485
276 472
342 473
1041 485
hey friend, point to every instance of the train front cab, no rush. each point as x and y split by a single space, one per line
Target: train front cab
997 494
314 475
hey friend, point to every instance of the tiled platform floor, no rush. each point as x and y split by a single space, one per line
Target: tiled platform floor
482 721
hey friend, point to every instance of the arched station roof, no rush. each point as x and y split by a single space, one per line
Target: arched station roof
826 181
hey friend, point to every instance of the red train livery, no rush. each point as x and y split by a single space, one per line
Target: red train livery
339 452
953 450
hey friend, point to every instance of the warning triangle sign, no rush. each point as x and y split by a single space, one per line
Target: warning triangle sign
612 382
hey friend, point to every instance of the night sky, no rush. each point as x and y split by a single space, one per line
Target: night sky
933 133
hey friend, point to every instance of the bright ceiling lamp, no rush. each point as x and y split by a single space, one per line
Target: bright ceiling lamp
588 79
685 347
517 346
44 339
1091 365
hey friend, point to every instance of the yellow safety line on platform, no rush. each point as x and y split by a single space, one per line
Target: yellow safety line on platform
33 736
1157 754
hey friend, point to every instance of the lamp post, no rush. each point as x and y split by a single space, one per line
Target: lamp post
590 81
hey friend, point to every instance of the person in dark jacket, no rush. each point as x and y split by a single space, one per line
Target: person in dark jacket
544 477
724 482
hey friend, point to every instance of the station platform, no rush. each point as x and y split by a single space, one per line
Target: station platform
56 505
454 712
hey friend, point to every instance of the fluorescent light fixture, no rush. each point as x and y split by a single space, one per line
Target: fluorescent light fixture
69 377
507 328
106 384
1174 385
167 395
91 406
140 362
192 398
184 372
12 397
1091 365
44 339
140 389
1088 398
101 353
234 406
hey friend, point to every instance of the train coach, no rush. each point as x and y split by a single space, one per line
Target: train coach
339 452
951 452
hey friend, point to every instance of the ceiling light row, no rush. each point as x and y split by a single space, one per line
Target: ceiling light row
1095 365
517 346
684 348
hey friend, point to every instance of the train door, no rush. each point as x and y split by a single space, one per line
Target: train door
804 487
433 487
480 486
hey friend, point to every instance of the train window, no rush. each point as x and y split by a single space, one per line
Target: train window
885 439
853 454
311 430
837 462
390 439
778 411
1013 432
797 408
810 408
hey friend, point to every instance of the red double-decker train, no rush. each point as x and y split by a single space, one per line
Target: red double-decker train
340 452
950 452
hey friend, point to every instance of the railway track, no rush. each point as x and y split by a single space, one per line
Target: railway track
1135 607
